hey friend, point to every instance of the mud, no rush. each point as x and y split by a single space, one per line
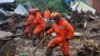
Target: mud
24 46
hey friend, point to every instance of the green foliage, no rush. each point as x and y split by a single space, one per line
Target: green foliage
21 1
41 4
56 5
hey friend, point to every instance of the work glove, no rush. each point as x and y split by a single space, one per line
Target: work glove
46 33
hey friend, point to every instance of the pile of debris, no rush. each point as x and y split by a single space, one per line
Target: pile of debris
80 20
90 48
11 14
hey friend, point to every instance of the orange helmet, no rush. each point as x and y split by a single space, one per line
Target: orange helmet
56 14
56 17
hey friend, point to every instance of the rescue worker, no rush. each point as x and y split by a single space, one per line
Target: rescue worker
29 24
47 14
64 31
39 26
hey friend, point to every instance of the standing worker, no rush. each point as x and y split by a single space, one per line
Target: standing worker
64 31
47 14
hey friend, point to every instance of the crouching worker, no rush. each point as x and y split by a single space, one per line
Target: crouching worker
28 26
39 25
64 31
35 25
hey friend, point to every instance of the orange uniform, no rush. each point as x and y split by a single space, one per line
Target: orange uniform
29 25
39 23
47 14
34 22
64 32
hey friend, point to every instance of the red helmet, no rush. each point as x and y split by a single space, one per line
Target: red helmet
37 9
31 11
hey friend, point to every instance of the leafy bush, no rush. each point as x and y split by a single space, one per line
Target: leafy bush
41 4
21 1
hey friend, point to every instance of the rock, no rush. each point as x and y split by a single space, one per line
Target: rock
77 34
4 33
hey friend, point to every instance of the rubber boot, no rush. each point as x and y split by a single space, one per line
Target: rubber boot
49 51
37 40
33 40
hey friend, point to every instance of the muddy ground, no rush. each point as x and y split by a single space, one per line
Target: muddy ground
91 32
